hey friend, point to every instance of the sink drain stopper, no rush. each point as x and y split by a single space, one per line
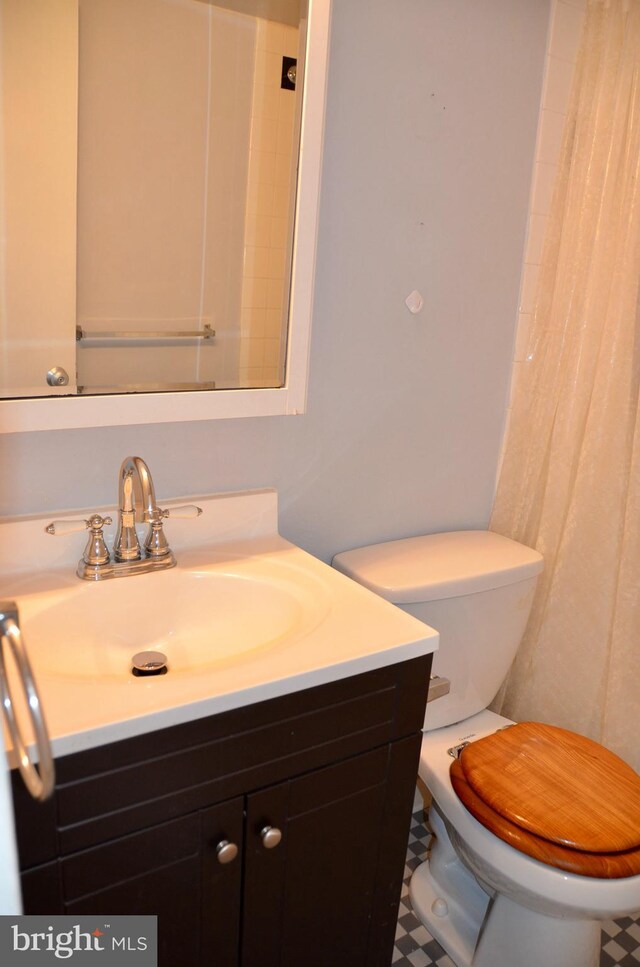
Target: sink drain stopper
147 663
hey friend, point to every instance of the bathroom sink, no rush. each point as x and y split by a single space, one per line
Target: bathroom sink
200 618
244 617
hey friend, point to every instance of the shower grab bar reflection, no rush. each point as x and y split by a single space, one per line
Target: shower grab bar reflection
40 784
116 388
207 332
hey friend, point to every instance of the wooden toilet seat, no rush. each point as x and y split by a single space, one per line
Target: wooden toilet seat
555 795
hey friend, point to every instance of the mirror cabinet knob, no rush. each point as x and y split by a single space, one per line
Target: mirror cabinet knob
57 376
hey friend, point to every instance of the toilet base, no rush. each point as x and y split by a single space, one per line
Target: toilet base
478 930
447 898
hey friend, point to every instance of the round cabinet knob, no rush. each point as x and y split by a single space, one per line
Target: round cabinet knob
57 376
270 837
226 852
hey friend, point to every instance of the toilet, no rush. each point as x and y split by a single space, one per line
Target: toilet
537 829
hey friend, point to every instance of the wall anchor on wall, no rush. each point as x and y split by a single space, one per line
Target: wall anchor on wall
414 302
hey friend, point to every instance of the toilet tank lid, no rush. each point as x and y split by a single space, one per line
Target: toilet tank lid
438 566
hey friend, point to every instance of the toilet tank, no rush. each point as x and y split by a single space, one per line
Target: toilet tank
474 587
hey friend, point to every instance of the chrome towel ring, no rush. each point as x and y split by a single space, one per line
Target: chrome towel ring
40 782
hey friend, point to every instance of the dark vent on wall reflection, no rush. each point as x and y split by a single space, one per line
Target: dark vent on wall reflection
289 68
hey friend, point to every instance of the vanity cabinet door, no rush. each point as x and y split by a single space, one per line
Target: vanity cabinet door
221 830
141 827
152 872
320 895
171 871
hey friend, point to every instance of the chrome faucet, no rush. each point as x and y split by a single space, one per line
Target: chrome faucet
136 504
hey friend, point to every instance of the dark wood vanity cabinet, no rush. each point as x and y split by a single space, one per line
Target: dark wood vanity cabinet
137 826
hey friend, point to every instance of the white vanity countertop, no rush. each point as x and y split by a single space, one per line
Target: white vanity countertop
345 631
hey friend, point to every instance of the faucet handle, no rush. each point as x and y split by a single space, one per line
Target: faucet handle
60 528
155 544
184 512
96 553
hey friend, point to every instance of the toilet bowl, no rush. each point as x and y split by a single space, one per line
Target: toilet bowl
487 903
551 917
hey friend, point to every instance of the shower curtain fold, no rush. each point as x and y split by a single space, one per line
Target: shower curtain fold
570 479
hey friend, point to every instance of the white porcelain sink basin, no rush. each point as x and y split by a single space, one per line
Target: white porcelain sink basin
244 617
200 618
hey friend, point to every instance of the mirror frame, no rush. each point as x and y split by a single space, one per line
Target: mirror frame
66 412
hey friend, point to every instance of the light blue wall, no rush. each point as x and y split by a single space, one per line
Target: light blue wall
431 121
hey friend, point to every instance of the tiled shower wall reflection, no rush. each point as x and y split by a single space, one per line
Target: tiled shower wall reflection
185 193
268 227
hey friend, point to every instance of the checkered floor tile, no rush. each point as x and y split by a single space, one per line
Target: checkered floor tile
415 947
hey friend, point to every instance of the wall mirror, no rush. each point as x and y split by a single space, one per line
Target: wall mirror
159 167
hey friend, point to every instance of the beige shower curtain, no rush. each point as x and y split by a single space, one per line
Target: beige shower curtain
570 481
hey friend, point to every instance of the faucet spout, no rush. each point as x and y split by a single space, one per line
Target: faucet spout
136 503
136 491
